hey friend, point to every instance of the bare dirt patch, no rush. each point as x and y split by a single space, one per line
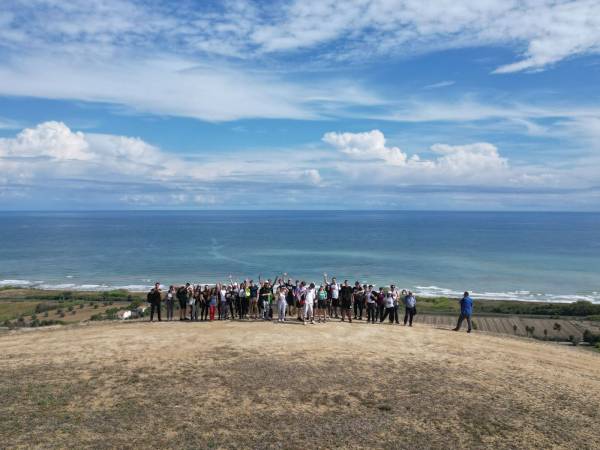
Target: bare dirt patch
263 385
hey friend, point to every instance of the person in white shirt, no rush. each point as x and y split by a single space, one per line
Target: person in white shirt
223 313
396 297
388 303
309 302
334 289
281 303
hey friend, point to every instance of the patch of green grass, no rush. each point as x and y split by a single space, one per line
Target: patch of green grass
11 310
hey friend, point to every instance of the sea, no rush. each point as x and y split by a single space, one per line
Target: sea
529 256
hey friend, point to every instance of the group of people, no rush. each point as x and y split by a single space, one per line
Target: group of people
297 300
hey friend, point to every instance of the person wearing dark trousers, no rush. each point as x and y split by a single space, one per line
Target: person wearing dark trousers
204 300
170 300
410 308
371 305
358 296
466 309
395 296
389 308
379 299
154 299
346 301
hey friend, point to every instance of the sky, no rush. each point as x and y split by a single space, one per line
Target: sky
308 104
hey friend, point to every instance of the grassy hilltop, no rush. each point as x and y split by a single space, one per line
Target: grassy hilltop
266 385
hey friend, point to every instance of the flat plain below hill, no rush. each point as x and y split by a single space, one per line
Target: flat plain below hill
268 385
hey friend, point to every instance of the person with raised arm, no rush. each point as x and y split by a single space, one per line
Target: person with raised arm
291 301
154 298
466 309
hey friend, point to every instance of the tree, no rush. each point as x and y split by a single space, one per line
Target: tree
557 326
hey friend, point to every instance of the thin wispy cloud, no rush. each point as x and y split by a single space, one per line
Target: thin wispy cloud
441 84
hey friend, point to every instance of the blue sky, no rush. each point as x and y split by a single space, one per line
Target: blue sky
389 104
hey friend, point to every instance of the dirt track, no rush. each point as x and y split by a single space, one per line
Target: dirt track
266 385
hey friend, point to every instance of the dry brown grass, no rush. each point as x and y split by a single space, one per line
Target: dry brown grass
263 385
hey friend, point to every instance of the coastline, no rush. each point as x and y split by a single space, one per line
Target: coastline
421 291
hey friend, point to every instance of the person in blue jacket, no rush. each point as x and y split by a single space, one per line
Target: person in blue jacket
466 309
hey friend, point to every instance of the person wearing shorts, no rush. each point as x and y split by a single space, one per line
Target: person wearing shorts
322 304
182 298
289 297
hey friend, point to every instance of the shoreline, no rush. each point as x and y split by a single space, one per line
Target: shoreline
421 291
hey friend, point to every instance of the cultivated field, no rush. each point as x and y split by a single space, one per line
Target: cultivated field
266 385
505 324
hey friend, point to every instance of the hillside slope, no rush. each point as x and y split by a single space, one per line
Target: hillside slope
264 385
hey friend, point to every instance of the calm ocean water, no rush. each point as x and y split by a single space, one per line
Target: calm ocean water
528 256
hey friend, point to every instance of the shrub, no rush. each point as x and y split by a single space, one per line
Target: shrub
61 315
95 306
111 313
45 323
59 311
574 340
43 307
515 328
34 316
545 334
81 306
34 323
557 326
91 303
474 324
46 314
96 317
73 313
590 337
70 308
7 323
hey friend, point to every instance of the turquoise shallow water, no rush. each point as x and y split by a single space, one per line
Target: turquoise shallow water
527 256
